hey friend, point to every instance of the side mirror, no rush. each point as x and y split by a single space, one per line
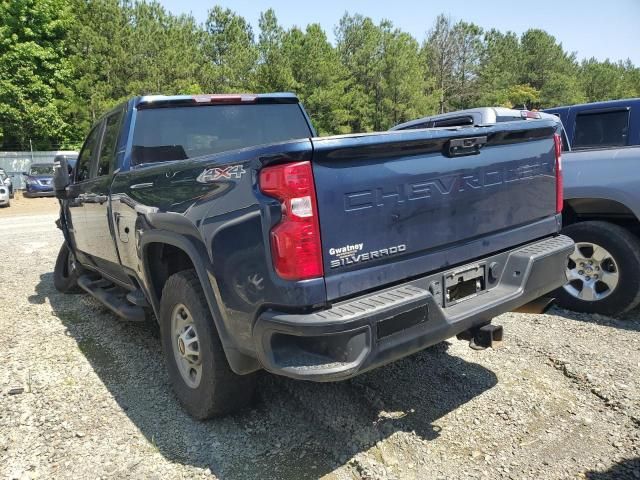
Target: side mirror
61 178
26 174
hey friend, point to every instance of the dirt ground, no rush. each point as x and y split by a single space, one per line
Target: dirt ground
560 400
29 206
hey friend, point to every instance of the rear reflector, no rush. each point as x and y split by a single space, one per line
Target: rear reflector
295 240
557 140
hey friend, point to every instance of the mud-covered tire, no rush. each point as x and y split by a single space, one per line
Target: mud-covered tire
66 272
218 390
624 249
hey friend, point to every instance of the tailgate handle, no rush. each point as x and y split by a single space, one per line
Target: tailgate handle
458 147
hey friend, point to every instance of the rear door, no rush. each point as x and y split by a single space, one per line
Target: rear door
403 196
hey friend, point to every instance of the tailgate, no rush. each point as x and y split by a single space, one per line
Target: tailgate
404 196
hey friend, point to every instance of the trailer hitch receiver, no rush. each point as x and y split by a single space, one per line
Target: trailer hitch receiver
482 337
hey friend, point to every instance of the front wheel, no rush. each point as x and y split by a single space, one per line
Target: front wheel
66 271
603 270
198 369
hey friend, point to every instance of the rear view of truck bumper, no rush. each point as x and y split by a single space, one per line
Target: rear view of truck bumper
377 328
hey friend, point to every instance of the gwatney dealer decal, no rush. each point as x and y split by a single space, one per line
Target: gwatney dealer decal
354 253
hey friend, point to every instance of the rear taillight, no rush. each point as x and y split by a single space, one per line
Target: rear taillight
295 240
557 140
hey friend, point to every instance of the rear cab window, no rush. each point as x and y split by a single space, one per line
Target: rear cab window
600 129
182 132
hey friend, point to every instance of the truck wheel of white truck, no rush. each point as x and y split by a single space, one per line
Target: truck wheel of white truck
198 369
603 270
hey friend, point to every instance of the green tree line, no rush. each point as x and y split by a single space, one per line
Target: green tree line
63 63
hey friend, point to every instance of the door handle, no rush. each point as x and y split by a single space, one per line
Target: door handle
139 186
93 198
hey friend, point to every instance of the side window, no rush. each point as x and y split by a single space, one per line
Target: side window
108 146
83 167
601 129
454 122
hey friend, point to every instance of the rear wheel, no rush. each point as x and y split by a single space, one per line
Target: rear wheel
198 369
66 271
603 271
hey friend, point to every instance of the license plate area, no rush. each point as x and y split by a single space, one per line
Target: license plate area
464 283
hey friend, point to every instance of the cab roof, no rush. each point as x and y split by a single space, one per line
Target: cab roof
150 101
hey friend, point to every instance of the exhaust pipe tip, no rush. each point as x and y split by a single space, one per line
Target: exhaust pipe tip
537 306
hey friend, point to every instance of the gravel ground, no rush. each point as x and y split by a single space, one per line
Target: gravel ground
561 399
29 206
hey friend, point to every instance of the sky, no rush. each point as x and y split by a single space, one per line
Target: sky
591 28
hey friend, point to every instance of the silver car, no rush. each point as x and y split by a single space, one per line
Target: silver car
5 180
5 196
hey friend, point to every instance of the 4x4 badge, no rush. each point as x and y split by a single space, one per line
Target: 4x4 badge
221 173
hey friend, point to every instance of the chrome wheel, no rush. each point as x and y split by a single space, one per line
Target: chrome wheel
186 346
592 272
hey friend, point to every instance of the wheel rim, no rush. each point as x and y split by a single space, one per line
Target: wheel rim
592 272
186 346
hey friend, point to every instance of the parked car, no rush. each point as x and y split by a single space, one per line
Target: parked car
38 180
5 180
258 245
601 197
5 196
602 206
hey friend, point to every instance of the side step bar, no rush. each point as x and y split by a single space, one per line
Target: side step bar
112 297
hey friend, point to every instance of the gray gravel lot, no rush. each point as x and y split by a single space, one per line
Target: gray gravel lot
561 399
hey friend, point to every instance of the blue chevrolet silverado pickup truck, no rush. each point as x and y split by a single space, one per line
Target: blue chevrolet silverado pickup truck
257 245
